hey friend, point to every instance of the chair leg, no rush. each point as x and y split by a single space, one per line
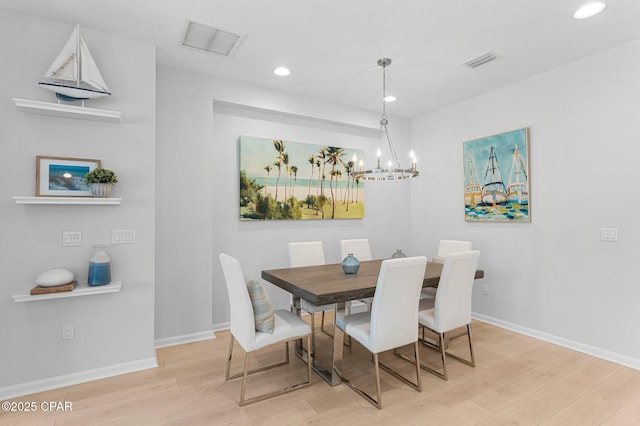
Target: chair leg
444 353
229 353
416 361
378 394
377 401
471 362
245 373
443 356
440 347
244 378
228 376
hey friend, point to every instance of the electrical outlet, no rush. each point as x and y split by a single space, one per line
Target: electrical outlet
485 289
67 331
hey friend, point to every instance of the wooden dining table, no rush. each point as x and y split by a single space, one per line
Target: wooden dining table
328 284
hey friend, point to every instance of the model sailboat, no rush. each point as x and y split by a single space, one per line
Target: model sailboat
74 75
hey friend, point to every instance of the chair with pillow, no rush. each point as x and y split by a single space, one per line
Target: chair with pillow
310 253
361 250
444 248
255 326
451 308
390 324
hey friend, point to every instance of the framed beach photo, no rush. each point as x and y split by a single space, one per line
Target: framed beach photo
63 176
496 178
287 180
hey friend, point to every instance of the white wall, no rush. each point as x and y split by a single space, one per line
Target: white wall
203 201
113 332
552 278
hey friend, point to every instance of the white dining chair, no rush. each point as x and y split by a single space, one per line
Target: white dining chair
390 324
360 248
310 253
287 327
451 308
444 248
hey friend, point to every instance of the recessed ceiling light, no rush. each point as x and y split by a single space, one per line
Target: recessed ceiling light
390 98
282 71
589 10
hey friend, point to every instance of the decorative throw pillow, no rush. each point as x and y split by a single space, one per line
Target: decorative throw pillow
262 310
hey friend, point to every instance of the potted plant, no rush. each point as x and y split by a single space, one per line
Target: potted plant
101 181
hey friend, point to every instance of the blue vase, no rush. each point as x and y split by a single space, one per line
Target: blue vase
350 264
398 254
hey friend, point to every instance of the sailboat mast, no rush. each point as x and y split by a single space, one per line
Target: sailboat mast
78 59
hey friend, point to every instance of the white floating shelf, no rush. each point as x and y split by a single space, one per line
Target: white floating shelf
68 200
68 111
80 290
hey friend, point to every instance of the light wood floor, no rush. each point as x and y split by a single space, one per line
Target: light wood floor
518 381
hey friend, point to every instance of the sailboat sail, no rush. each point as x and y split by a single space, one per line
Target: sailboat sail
493 191
472 189
74 75
518 189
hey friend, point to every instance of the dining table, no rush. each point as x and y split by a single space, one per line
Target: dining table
329 284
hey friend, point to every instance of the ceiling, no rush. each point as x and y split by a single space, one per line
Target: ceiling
332 46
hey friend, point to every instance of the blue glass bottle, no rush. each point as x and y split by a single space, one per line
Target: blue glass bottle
398 254
350 264
99 266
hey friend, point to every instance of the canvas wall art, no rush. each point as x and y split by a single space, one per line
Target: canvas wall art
286 180
496 175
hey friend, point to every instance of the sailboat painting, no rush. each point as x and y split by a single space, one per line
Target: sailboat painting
496 174
74 75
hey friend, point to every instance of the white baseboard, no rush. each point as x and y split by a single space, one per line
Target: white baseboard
185 338
28 388
221 326
560 341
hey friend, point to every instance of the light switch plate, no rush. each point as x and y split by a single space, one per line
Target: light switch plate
71 239
123 236
609 234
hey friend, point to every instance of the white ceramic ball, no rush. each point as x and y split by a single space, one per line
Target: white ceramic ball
54 277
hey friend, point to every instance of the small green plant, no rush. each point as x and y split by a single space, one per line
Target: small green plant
100 176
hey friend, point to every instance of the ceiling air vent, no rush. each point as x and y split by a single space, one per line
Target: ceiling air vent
209 39
481 60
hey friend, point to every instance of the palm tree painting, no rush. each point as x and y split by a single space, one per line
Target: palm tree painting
309 182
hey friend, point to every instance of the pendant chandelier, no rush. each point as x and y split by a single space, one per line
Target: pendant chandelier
385 168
